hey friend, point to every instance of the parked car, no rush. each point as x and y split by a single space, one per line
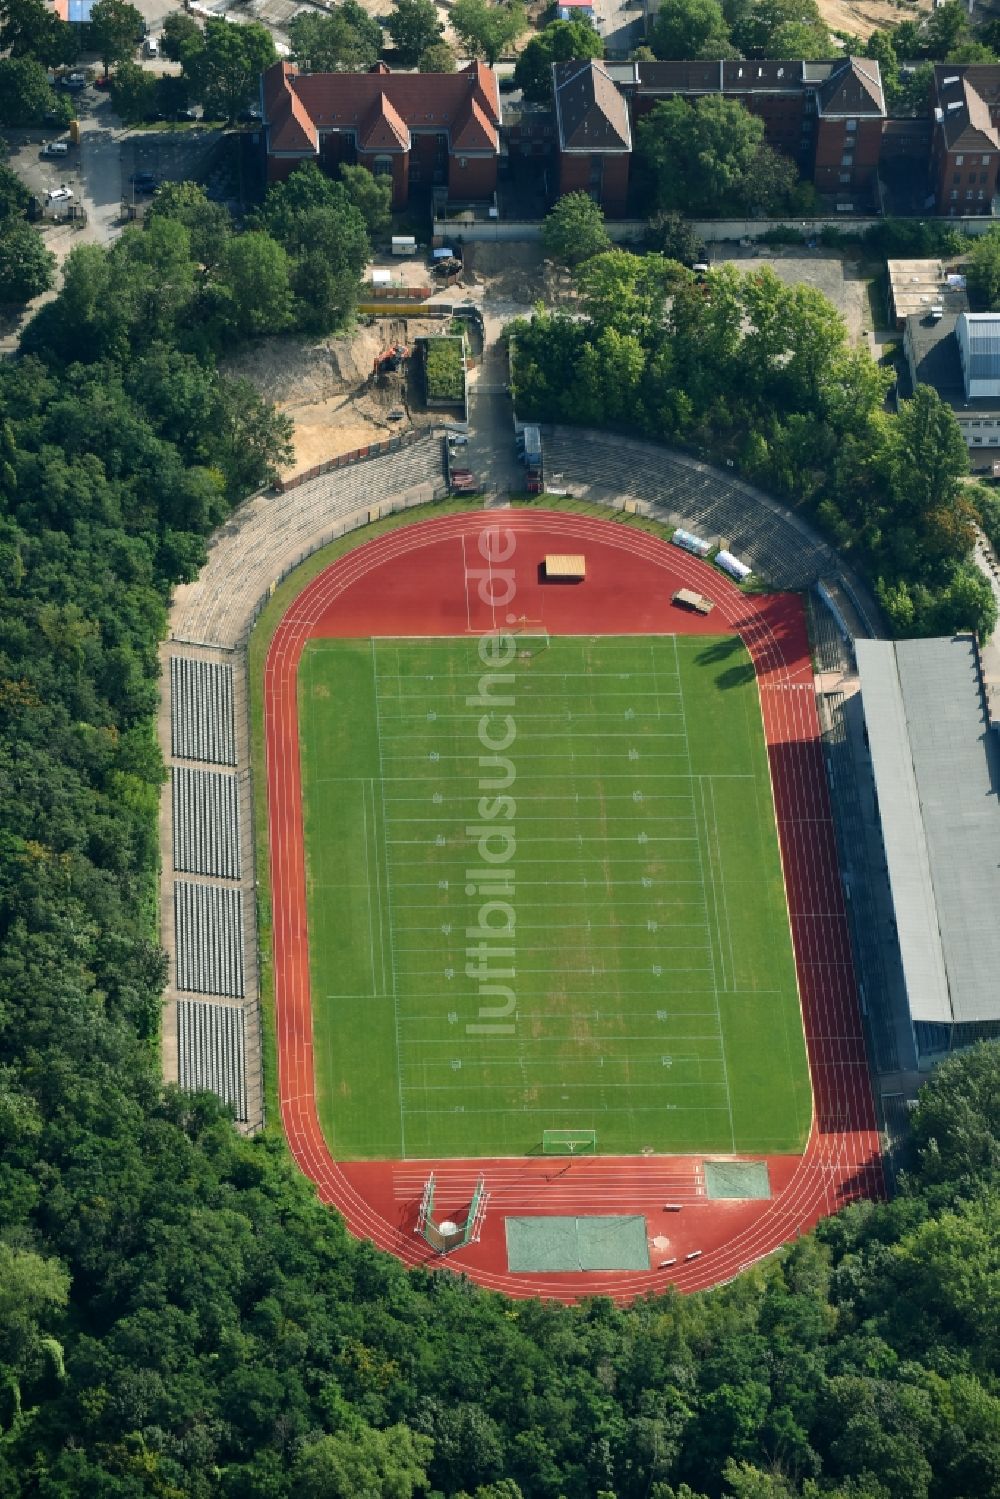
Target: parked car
58 194
144 182
56 148
456 441
73 81
103 83
151 47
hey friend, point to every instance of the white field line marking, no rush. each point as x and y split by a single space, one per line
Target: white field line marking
388 893
722 881
729 1101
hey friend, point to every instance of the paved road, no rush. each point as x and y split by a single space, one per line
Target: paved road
620 24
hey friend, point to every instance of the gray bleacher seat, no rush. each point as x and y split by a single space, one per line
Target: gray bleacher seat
206 822
211 1051
208 936
202 726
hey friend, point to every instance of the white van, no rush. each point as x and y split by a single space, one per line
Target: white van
151 47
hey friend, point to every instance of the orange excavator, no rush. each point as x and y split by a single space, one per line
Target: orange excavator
391 359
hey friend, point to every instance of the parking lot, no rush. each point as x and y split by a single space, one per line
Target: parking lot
170 155
839 278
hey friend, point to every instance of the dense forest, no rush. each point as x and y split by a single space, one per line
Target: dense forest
178 1315
743 367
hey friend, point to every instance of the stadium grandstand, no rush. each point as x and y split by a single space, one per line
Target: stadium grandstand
936 766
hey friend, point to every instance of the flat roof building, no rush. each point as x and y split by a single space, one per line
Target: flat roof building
936 765
933 349
915 286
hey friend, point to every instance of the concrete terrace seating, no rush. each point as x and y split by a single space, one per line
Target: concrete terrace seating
775 543
861 909
211 1052
270 534
206 823
201 711
829 648
208 925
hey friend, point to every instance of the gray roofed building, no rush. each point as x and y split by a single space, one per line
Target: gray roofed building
591 113
853 88
936 765
849 86
933 357
978 337
963 97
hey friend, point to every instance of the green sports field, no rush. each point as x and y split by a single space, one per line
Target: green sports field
637 966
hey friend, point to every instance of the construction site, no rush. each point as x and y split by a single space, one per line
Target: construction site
343 393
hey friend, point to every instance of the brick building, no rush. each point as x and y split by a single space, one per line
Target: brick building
594 134
420 129
965 151
827 117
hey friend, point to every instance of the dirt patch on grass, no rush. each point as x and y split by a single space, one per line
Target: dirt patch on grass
517 272
862 17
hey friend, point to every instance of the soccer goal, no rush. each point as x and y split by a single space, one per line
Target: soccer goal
569 1142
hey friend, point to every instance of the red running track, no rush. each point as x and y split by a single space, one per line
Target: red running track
418 581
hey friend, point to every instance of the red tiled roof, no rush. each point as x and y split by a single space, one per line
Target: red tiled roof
388 105
474 132
290 128
383 130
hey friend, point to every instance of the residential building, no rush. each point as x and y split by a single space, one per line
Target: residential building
594 134
827 117
965 150
420 129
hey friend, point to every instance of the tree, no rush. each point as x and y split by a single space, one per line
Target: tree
254 439
881 49
712 158
691 29
115 29
225 71
26 96
707 157
413 26
561 41
322 226
348 39
133 92
983 270
208 224
14 196
956 1124
372 197
363 1463
29 28
26 266
439 57
485 29
254 279
574 230
914 96
182 38
779 28
670 235
945 29
626 292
